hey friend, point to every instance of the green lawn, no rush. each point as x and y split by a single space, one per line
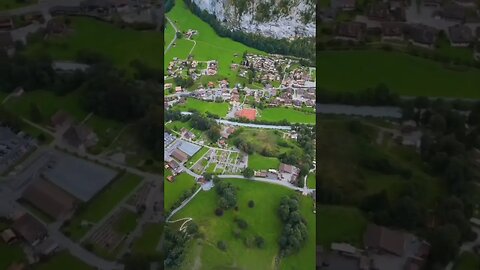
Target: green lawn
173 191
197 156
237 255
102 203
266 142
48 103
209 45
311 180
467 261
127 222
340 224
289 114
10 254
120 45
220 109
61 261
259 162
148 242
356 70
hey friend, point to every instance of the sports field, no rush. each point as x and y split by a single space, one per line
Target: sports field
406 75
209 46
267 199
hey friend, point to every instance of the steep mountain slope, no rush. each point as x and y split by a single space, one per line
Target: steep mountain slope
272 18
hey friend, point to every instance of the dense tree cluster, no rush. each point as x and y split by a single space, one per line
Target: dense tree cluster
227 194
294 234
175 244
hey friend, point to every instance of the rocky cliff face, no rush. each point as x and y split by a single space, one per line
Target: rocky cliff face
273 18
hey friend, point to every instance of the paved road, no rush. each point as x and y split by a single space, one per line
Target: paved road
270 181
174 38
233 123
184 203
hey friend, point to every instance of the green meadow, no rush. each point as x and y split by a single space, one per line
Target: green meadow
237 255
289 114
173 191
220 109
119 45
209 46
404 74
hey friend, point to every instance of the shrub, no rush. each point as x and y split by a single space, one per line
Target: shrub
219 212
221 245
251 204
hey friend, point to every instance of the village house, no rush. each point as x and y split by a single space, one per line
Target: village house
6 23
6 43
392 31
466 3
394 249
80 137
352 31
49 198
175 167
13 147
422 35
288 173
56 26
30 229
8 236
460 35
344 5
379 11
65 10
453 12
179 155
61 120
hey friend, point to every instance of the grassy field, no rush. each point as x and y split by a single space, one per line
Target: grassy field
265 141
120 45
345 71
340 224
12 4
197 156
61 261
103 203
289 114
10 254
48 103
259 162
173 191
209 45
311 180
220 109
343 151
127 222
148 242
467 261
237 256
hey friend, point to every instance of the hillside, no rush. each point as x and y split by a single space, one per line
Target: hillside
272 18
